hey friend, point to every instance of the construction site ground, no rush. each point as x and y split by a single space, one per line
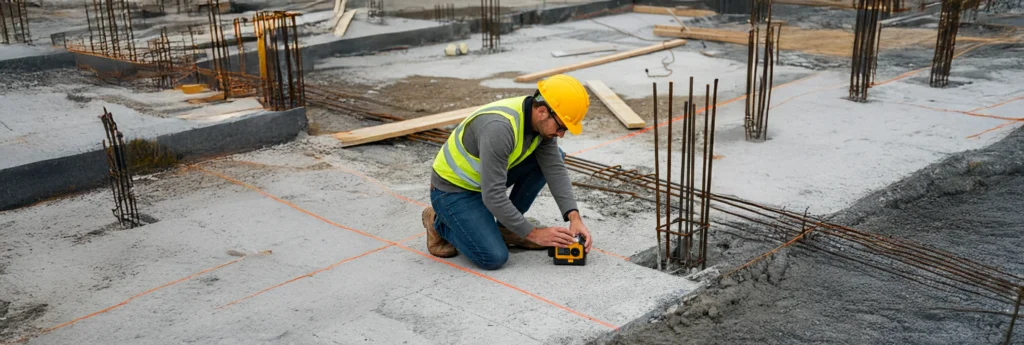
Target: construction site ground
311 243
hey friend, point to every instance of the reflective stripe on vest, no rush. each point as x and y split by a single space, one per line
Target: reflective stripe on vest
457 166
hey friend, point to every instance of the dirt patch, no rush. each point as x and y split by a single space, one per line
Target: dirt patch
15 324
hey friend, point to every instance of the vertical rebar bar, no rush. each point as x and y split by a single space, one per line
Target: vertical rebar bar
657 176
707 188
668 172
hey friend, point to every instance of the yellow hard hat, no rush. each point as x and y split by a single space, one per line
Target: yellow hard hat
568 98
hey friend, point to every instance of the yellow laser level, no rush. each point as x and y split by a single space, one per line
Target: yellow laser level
573 255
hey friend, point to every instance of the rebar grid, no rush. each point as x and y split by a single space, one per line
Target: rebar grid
120 178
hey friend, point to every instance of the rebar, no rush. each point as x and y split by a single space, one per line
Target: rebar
490 24
444 13
949 25
760 80
865 53
281 75
119 176
14 21
376 10
691 221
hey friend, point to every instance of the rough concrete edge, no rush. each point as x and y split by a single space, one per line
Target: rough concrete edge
38 63
667 300
30 183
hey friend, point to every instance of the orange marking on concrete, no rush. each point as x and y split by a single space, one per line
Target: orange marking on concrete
992 129
289 204
464 269
831 87
610 254
381 185
122 303
971 113
321 270
999 104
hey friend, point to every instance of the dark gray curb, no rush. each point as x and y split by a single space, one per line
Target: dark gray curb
38 63
33 182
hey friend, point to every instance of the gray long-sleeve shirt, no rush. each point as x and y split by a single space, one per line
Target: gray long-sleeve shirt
490 137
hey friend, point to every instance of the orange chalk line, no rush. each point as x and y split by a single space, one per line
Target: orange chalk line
324 269
992 129
664 123
122 303
971 113
999 104
381 185
916 71
831 87
289 204
610 253
409 249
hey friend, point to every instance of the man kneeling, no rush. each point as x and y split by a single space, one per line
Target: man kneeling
511 143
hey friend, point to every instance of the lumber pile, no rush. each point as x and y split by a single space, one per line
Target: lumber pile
402 128
681 12
626 115
821 42
600 61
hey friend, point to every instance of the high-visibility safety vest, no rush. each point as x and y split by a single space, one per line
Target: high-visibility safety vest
456 165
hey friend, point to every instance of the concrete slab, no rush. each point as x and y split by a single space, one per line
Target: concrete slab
362 289
528 50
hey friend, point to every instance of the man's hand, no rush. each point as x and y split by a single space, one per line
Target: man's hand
551 237
576 227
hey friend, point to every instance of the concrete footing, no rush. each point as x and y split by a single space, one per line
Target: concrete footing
26 184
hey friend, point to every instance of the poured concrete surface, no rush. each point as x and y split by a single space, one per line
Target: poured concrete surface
391 295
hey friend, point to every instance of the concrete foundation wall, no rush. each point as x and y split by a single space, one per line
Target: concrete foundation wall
108 66
375 43
31 64
30 183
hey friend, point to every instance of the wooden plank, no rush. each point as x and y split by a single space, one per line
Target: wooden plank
402 128
339 31
601 60
682 12
586 50
735 37
339 11
626 115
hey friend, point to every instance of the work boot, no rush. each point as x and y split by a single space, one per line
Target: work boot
511 239
436 245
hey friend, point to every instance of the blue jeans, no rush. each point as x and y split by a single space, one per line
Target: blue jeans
466 223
